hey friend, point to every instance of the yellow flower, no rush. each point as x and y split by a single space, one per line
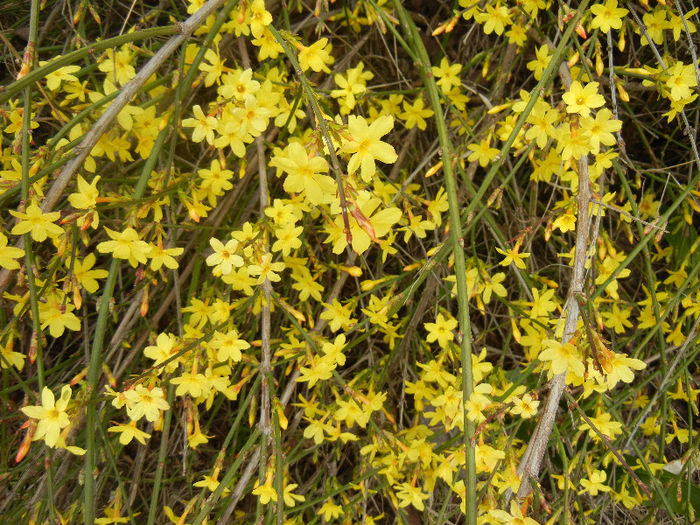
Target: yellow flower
573 142
482 152
561 357
87 194
224 259
269 47
128 432
317 56
8 254
410 495
680 81
305 174
595 483
63 74
600 129
415 114
164 256
204 125
40 225
351 84
228 345
162 351
447 75
338 316
620 367
145 402
542 304
266 269
607 16
541 61
366 145
290 499
514 517
117 65
214 68
655 23
494 19
525 406
57 316
365 225
565 222
266 492
441 330
51 414
602 423
617 319
330 510
542 119
492 284
126 245
512 256
195 385
581 100
238 84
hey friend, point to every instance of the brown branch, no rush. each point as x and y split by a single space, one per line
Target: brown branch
532 459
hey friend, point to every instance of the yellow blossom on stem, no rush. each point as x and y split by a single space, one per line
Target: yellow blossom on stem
162 351
305 174
57 315
581 99
129 432
482 152
204 125
514 517
164 256
541 61
447 75
595 483
38 224
351 84
415 114
224 259
365 225
366 145
266 269
525 406
607 16
441 330
562 357
600 129
512 256
494 19
410 495
330 511
8 254
87 194
317 56
228 345
126 245
603 424
145 402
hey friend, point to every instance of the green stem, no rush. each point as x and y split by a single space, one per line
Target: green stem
457 247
